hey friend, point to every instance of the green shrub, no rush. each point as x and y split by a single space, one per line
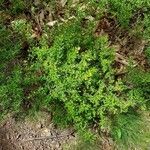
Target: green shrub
79 76
123 10
140 80
11 93
11 75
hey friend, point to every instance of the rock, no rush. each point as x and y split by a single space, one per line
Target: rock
52 23
46 132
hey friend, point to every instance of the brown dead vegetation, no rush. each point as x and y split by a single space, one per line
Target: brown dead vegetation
129 48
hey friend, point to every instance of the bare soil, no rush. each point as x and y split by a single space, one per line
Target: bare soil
33 135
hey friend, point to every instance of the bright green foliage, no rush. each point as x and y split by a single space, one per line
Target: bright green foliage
79 75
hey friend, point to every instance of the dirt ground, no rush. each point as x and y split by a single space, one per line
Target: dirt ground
33 135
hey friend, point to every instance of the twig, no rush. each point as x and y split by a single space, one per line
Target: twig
45 137
121 59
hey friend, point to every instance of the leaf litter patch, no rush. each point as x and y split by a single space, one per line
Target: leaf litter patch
129 48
